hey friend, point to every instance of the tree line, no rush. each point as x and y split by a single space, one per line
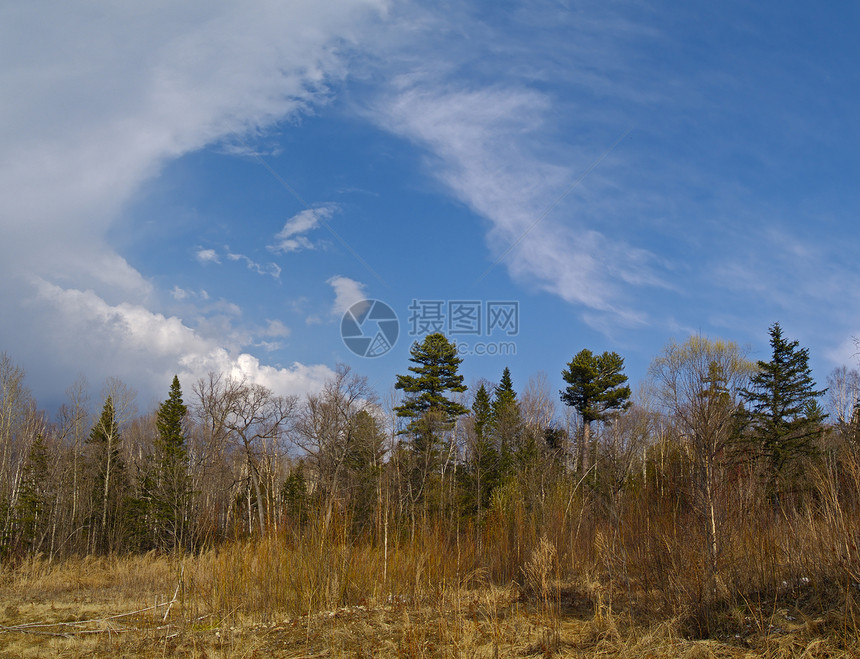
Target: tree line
233 459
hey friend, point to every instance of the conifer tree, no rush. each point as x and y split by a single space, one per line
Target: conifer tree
436 363
294 495
783 416
170 498
35 496
507 429
482 412
428 406
363 464
596 388
484 468
110 479
504 394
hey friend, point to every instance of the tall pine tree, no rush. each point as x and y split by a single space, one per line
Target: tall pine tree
504 394
597 388
435 366
429 407
482 412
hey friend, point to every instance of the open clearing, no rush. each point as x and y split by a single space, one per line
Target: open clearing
151 606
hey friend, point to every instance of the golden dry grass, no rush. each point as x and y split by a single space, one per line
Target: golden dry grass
257 599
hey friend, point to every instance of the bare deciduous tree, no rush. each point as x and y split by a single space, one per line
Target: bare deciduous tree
20 423
699 383
336 429
843 394
252 418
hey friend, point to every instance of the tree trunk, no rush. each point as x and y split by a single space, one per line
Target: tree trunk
105 493
584 446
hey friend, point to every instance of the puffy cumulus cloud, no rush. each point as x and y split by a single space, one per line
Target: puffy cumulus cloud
276 328
97 98
178 293
146 349
207 256
297 379
346 293
291 238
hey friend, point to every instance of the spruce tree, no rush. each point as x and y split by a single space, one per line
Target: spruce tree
507 430
110 480
363 468
484 468
482 412
35 496
294 496
783 416
171 486
504 394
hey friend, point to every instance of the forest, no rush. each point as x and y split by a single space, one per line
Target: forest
718 492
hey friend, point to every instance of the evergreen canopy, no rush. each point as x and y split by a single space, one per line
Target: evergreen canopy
783 413
596 385
504 395
435 367
171 437
482 411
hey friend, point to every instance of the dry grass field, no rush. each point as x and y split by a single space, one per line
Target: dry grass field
268 598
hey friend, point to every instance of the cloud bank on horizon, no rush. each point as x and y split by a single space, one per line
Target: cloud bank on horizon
625 161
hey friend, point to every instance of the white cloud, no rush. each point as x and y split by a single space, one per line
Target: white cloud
480 140
93 107
346 293
96 100
291 238
276 328
178 294
207 256
297 379
186 295
273 270
847 353
145 349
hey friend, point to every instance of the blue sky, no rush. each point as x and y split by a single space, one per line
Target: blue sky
209 186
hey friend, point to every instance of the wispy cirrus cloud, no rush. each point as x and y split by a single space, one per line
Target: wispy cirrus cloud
679 214
270 269
480 145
